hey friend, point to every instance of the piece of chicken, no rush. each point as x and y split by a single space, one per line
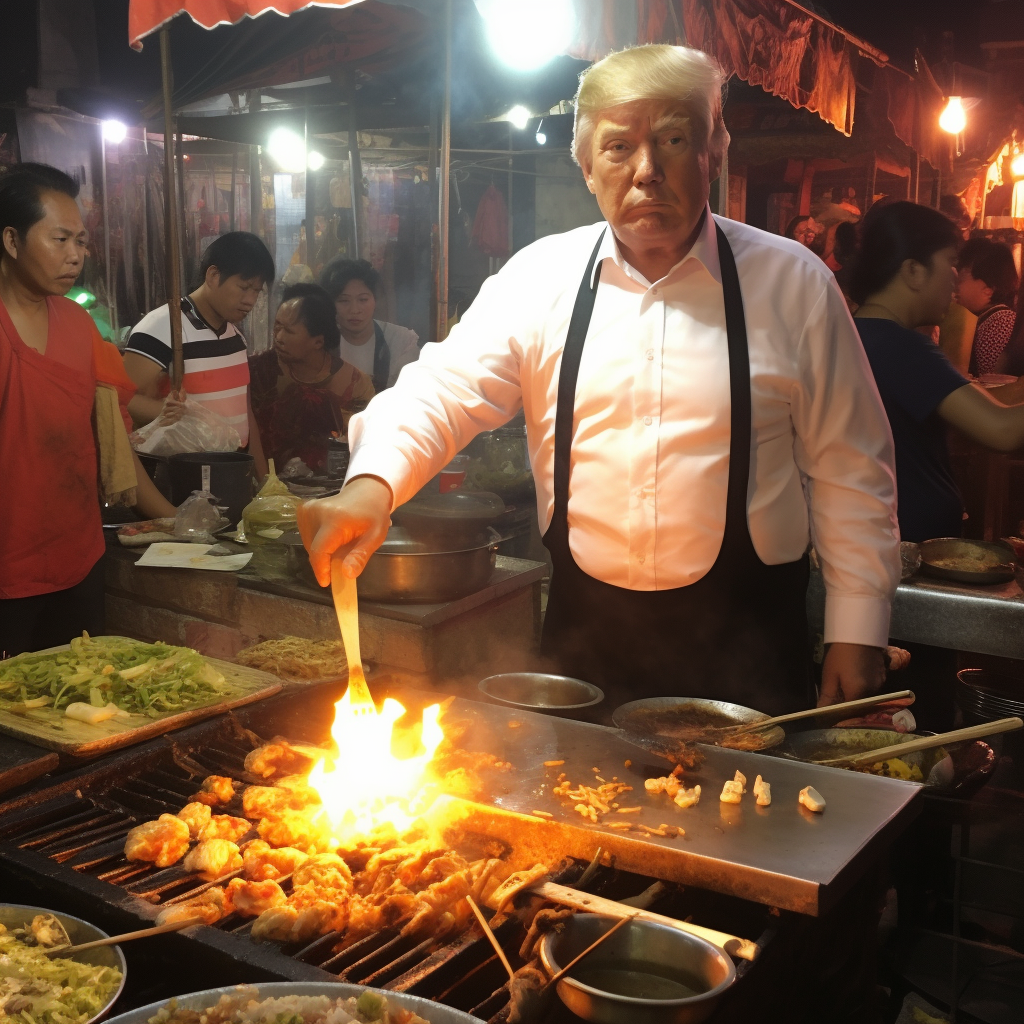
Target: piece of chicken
298 829
213 858
278 757
290 924
216 790
303 794
197 816
209 908
325 872
260 861
224 826
164 841
252 898
267 801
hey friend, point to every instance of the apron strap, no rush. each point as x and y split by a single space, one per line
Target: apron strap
568 374
736 528
381 359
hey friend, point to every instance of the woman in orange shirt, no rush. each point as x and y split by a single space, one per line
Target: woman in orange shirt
51 547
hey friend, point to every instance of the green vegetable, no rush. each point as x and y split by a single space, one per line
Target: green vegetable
37 989
144 679
371 1005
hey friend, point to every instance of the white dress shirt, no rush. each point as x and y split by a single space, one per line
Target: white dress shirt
650 451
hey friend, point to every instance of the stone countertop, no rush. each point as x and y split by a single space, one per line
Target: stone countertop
957 616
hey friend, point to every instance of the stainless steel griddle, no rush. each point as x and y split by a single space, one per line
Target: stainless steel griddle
782 855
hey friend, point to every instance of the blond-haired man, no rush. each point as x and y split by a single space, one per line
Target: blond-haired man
698 407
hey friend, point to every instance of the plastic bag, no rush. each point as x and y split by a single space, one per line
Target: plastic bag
198 430
272 512
198 518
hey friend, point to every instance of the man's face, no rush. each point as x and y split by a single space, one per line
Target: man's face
650 169
971 292
233 297
50 256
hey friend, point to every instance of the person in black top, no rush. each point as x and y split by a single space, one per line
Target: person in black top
904 278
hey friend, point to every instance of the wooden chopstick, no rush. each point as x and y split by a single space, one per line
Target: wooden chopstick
113 940
849 705
491 937
597 942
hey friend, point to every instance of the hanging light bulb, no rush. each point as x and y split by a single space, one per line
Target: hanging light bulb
541 137
528 34
315 161
954 118
518 116
287 149
1017 164
114 131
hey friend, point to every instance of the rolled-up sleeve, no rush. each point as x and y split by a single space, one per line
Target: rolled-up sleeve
844 450
456 389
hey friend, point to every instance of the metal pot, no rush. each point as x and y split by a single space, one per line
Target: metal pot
449 522
640 957
407 571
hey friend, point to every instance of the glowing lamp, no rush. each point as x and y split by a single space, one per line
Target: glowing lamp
287 149
954 118
1017 165
518 116
315 160
114 131
541 137
527 34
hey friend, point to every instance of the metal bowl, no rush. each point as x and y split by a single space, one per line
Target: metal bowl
538 691
668 716
16 915
434 1013
654 959
952 547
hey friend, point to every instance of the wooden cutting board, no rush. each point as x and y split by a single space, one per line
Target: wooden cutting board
54 730
22 762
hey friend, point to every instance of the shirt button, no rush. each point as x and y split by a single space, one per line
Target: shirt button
640 559
650 354
648 421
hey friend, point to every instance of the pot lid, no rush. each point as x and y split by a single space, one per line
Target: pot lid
467 506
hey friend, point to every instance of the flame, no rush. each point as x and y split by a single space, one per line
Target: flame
364 785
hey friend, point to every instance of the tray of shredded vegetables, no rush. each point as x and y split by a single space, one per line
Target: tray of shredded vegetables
36 988
296 1002
101 693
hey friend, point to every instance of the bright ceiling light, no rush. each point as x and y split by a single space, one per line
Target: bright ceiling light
527 34
114 131
518 116
954 118
287 150
1017 165
541 137
315 161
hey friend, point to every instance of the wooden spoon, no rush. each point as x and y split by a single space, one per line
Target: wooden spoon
850 705
116 940
346 607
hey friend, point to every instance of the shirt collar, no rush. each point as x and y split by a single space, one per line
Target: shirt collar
704 250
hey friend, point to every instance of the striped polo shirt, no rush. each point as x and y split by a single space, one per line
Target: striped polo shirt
216 365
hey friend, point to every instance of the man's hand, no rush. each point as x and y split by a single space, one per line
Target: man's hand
173 408
851 671
352 525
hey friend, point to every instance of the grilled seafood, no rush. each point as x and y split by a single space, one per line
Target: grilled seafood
164 841
296 828
216 790
254 898
267 801
287 923
209 908
197 816
279 757
213 858
324 872
260 861
224 826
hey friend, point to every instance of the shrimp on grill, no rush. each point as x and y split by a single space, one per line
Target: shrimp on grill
213 858
252 898
260 861
164 841
215 791
209 907
278 757
326 873
197 816
224 826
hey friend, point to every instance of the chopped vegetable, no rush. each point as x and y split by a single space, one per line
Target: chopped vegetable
38 989
812 799
371 1005
146 679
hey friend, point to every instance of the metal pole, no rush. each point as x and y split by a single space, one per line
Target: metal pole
145 221
179 157
255 191
171 216
355 170
106 224
443 183
234 185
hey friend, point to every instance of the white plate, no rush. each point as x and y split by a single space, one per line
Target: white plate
430 1011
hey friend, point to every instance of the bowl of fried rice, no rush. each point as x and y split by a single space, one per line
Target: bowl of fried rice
295 1002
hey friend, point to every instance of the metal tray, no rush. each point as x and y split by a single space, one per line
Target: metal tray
947 547
641 715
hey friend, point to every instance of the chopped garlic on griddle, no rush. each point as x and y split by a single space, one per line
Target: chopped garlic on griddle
732 792
812 799
763 792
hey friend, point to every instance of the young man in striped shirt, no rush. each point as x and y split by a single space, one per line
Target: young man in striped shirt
234 270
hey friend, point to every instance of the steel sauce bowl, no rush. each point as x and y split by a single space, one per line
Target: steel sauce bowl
16 915
538 691
673 951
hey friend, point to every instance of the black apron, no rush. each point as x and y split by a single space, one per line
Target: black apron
739 634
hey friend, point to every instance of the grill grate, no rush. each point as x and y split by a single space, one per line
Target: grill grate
75 832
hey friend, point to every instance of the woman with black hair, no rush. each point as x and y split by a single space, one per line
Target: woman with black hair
986 285
903 278
302 390
353 286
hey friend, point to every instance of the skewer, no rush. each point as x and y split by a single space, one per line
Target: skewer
113 940
558 975
491 937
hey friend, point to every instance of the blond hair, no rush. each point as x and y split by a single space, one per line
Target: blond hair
655 72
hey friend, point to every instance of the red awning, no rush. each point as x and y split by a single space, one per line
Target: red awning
146 16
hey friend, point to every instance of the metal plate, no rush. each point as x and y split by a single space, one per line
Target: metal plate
434 1013
640 715
781 855
953 547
